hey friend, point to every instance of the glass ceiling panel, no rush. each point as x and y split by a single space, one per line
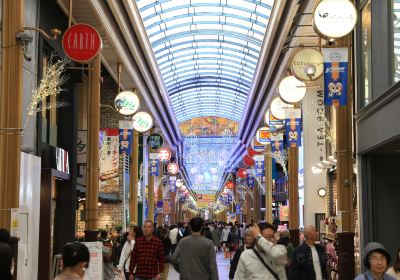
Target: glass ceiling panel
207 53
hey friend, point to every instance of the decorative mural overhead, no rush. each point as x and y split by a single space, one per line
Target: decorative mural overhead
209 126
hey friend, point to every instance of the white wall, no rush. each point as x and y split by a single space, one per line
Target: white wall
29 202
314 147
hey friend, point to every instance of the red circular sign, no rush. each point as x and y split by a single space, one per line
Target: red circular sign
230 185
242 173
81 42
173 168
248 161
164 154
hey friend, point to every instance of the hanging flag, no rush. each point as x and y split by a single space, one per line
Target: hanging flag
250 181
335 76
172 183
125 137
259 168
293 127
276 143
154 165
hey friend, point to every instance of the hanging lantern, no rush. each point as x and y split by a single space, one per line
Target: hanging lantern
248 161
242 173
251 152
164 154
142 121
292 90
173 168
278 108
230 185
126 103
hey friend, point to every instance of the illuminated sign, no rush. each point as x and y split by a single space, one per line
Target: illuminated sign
142 121
126 103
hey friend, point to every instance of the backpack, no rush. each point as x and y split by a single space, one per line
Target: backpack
107 251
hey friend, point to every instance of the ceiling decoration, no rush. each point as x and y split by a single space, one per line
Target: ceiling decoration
207 52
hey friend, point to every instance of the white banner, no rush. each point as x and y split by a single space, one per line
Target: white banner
95 269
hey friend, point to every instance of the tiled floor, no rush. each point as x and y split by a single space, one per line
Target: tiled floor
223 269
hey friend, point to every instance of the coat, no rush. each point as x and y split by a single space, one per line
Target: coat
302 266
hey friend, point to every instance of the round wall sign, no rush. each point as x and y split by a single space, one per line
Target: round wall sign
164 154
81 42
142 121
155 141
256 146
173 168
292 90
126 103
263 135
306 57
335 18
271 121
278 108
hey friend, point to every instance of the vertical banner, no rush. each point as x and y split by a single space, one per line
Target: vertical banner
125 137
109 160
293 127
154 165
172 183
335 76
259 168
276 143
81 146
250 181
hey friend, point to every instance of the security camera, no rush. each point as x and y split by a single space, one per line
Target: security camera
24 39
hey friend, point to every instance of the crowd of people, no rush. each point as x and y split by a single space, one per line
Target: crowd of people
255 251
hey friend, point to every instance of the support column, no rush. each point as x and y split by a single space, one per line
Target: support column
293 160
10 109
92 188
248 207
150 191
268 184
256 202
160 193
133 180
173 208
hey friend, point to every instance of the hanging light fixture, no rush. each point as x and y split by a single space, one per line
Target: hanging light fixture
126 102
278 108
292 90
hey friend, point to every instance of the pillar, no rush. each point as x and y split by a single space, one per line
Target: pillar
160 194
344 165
150 192
268 184
293 160
92 188
248 207
10 109
133 180
256 202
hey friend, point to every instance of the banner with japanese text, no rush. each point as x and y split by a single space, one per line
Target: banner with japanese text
335 76
125 137
109 160
154 166
276 143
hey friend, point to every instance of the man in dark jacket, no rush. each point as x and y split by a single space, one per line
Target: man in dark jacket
309 259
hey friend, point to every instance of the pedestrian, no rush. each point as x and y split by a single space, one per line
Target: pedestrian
376 261
332 257
194 257
75 261
233 240
164 236
108 269
224 237
241 233
173 235
309 259
4 236
147 258
395 269
266 260
205 231
284 240
248 244
128 244
6 261
216 237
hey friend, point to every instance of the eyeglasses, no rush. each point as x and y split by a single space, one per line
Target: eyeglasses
377 258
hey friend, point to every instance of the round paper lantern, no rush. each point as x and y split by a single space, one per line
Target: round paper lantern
248 161
173 168
251 153
164 154
230 185
292 90
335 18
127 103
142 121
242 173
278 107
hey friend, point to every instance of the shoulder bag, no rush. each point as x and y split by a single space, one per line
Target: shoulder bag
266 265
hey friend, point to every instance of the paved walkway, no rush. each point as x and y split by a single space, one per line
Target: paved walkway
223 268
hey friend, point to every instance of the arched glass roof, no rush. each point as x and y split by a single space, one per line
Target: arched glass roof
207 52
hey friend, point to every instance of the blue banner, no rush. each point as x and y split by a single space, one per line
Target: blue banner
259 168
335 76
293 127
238 210
154 166
172 183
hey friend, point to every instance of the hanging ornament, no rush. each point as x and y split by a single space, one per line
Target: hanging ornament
230 185
242 173
248 161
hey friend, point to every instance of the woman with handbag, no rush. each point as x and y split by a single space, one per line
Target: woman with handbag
129 243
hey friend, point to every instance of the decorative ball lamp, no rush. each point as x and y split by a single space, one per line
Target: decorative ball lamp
242 173
334 19
230 185
248 161
127 103
278 108
292 90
